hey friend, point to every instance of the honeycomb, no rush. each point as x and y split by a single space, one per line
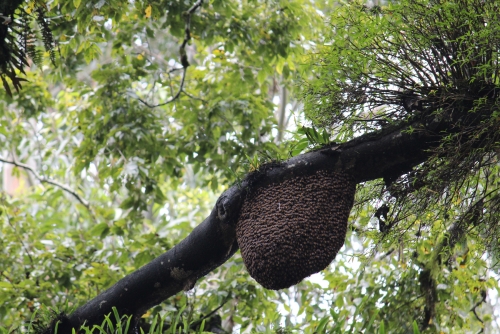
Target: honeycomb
290 230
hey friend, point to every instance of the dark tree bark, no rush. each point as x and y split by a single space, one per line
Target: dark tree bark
388 153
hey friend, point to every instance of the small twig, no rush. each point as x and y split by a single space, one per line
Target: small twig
367 120
174 69
409 302
473 309
20 240
194 97
197 322
8 279
6 19
386 254
42 179
356 229
183 54
187 15
170 83
172 99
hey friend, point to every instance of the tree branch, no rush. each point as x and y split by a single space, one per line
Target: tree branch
183 55
395 150
214 241
473 309
211 313
57 184
172 99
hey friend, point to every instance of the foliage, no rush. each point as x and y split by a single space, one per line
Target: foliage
394 66
117 182
114 323
18 39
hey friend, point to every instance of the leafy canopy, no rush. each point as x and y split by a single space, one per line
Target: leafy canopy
137 179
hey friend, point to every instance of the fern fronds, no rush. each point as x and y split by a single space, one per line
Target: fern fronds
19 39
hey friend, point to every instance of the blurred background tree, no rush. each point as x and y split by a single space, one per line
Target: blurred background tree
97 182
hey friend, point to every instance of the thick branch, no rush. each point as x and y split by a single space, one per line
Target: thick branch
211 243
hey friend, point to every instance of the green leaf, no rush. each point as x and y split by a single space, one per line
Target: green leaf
322 325
381 329
416 330
100 230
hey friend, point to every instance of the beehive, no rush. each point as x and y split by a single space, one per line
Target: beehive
291 230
